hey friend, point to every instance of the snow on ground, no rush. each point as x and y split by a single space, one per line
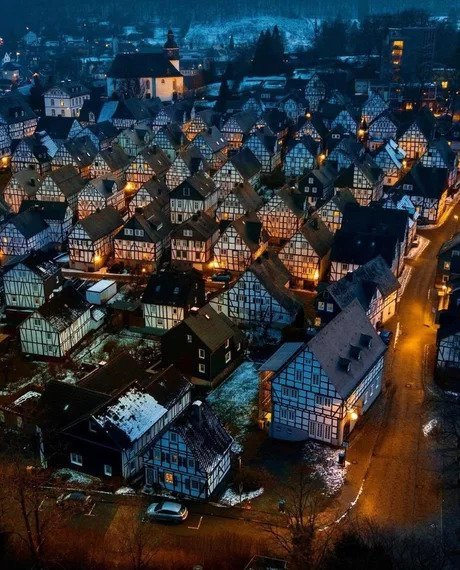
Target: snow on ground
325 464
235 399
230 498
415 252
125 491
429 427
75 477
298 32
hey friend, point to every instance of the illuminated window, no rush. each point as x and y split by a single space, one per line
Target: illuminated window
169 478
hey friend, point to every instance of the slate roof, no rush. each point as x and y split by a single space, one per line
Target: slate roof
246 163
155 223
28 180
36 261
332 346
374 220
82 150
171 288
427 182
213 139
318 235
62 310
201 224
58 128
200 183
136 65
105 186
67 179
51 211
29 223
247 196
156 159
212 328
204 434
13 104
115 157
250 230
363 283
101 223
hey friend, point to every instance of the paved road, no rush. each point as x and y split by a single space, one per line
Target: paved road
403 480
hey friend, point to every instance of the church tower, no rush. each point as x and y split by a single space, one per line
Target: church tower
171 50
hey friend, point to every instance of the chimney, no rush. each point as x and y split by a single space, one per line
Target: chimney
197 411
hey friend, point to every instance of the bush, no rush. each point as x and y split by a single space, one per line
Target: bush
250 477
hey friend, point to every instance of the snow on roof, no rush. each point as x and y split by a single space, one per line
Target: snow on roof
133 413
31 394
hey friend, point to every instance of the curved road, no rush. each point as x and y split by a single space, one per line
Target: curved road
403 480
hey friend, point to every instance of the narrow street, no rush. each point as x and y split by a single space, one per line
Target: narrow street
402 485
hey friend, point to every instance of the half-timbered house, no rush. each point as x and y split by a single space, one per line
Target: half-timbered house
22 233
17 115
306 254
91 240
447 367
58 216
133 409
237 127
283 214
143 240
134 139
427 187
112 160
212 146
294 105
99 193
332 211
390 159
192 242
59 129
317 185
30 281
266 149
200 122
193 455
319 389
212 346
414 136
364 179
187 162
372 284
150 162
65 99
260 298
241 242
62 185
198 193
241 168
56 327
35 153
79 153
152 192
373 107
22 185
5 147
312 126
439 154
169 139
301 156
242 199
101 134
315 91
169 297
380 130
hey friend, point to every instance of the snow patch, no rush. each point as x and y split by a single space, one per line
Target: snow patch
325 466
125 491
75 477
429 427
30 395
230 498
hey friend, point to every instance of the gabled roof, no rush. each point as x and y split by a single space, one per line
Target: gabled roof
105 186
62 310
363 283
51 211
82 150
14 108
212 328
29 223
172 288
37 261
426 181
155 223
318 235
200 223
67 179
250 230
156 159
200 183
213 139
374 220
245 163
28 179
244 119
58 128
247 196
204 435
442 146
115 157
101 223
137 65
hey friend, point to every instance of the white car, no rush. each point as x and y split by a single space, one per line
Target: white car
167 511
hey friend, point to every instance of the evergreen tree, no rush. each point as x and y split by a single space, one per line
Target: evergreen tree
223 97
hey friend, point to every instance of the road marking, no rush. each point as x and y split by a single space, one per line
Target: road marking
90 514
41 504
198 526
397 333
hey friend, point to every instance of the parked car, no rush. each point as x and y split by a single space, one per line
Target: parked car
386 335
167 511
75 501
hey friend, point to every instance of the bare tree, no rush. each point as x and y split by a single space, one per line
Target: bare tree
296 528
137 543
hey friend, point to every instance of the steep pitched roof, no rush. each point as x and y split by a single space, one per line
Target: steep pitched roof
318 235
62 310
134 65
246 163
212 328
101 223
171 287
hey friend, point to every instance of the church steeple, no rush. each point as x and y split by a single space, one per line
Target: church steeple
171 49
